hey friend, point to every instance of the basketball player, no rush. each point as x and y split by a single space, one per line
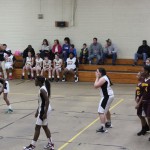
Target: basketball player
28 65
47 67
139 107
71 66
107 96
38 66
42 113
4 84
9 63
146 94
57 64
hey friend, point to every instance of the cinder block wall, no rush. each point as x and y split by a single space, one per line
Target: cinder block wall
126 22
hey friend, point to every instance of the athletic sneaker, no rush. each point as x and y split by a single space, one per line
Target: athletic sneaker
63 80
108 125
102 130
49 146
52 79
30 147
9 111
22 77
29 77
57 80
76 79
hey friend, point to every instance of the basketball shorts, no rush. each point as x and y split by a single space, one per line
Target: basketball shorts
6 87
105 103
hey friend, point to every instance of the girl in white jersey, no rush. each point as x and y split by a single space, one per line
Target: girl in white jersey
47 67
38 65
57 64
28 65
41 114
107 96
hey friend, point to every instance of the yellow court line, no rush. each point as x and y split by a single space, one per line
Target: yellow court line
92 123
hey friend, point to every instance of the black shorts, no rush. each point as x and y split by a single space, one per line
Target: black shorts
146 107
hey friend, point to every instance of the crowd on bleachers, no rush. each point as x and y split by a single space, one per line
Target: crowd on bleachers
64 58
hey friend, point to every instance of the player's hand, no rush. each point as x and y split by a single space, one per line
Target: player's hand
44 116
137 106
36 114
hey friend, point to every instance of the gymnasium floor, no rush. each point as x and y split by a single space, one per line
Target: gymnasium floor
73 121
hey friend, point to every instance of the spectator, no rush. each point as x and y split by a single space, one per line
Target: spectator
84 54
28 65
9 63
57 47
57 65
65 49
73 50
110 51
5 47
47 67
38 65
45 49
71 66
141 53
95 51
147 63
25 53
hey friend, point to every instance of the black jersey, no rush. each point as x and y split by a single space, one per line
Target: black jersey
146 90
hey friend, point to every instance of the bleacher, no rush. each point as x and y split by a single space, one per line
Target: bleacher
122 72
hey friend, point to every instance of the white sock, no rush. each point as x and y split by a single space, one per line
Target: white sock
0 73
28 73
33 142
9 107
52 76
22 74
103 125
49 140
10 74
58 77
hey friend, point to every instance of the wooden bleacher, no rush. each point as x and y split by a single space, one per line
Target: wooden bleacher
122 72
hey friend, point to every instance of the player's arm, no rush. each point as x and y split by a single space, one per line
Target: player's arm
45 97
99 82
139 102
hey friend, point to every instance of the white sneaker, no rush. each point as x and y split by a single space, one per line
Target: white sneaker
49 146
76 79
30 147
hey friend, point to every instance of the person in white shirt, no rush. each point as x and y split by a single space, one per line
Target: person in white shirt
47 67
9 63
103 83
29 62
38 65
57 65
71 66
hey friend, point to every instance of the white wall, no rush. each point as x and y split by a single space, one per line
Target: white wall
126 22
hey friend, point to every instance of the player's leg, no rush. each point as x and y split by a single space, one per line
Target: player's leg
64 74
23 71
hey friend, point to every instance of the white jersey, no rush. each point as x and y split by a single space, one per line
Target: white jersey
38 62
58 62
41 101
71 63
9 60
29 61
105 89
47 64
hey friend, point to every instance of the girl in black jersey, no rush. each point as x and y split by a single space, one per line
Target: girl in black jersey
42 113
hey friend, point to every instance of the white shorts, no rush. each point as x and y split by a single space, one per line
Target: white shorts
104 104
8 66
6 87
45 121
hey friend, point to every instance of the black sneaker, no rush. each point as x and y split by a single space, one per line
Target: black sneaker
63 80
108 125
57 80
30 147
22 77
52 79
102 130
29 76
142 132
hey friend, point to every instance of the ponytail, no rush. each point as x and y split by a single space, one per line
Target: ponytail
48 87
110 81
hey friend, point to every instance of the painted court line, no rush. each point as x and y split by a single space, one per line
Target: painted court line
84 129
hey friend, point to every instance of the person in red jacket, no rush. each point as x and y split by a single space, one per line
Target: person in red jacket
57 47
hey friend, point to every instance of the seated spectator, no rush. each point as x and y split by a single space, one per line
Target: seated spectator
95 51
57 47
110 51
57 66
147 63
9 63
45 49
47 67
71 66
141 53
25 53
38 65
29 62
84 54
73 50
65 49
